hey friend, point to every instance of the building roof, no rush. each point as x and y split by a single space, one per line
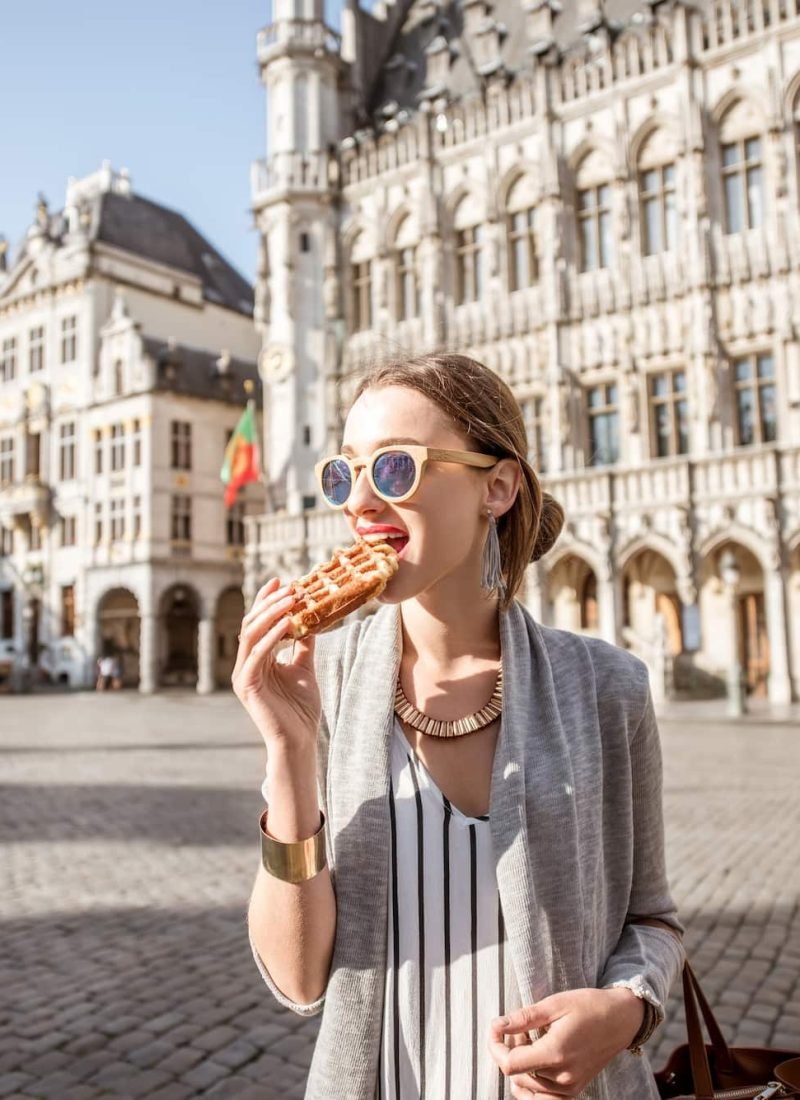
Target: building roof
396 51
194 372
145 228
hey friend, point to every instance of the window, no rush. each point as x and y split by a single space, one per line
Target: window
181 445
136 443
67 610
117 518
754 390
361 276
137 517
669 414
181 518
6 459
590 607
7 613
234 524
117 447
594 221
470 251
6 541
69 339
8 359
405 267
603 424
119 378
533 412
658 210
523 268
97 436
36 349
33 454
69 531
66 450
35 541
743 183
98 523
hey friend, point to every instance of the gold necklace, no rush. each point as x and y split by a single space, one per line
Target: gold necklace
436 727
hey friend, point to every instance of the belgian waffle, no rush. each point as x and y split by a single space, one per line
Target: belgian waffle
333 589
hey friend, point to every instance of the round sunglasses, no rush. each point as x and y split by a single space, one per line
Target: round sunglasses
393 472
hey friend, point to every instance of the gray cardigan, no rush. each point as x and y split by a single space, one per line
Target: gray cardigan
575 818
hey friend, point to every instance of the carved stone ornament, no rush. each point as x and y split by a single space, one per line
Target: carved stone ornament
276 363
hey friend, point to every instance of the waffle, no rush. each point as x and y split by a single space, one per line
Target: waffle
333 589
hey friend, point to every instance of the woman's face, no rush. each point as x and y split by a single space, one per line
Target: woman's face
445 519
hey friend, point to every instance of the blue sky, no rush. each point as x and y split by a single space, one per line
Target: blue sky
168 90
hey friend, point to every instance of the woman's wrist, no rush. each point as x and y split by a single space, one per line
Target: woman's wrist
294 812
631 1013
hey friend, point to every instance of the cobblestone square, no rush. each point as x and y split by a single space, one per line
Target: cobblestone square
128 849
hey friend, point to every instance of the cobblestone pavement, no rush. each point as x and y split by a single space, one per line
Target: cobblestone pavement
127 853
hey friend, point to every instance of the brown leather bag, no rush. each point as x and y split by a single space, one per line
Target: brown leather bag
696 1071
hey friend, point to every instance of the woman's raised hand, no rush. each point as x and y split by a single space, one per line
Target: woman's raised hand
282 698
584 1029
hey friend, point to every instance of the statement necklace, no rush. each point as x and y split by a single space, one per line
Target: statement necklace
436 727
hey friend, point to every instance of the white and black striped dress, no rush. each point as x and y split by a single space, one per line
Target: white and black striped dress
448 972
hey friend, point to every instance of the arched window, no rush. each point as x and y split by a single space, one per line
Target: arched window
741 155
523 267
405 265
470 252
361 283
590 611
657 205
593 201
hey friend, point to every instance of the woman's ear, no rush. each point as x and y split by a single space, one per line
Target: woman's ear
503 485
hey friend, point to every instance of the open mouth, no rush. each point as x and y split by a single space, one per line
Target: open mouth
397 542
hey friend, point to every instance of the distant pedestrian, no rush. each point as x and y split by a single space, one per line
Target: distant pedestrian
463 859
105 672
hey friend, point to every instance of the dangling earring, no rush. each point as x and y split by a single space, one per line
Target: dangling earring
491 566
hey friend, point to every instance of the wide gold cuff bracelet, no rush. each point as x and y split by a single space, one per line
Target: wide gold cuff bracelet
296 861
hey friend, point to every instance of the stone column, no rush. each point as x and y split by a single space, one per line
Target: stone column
534 597
607 607
148 654
205 657
779 684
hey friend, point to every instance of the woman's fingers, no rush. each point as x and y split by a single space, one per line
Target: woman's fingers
253 631
268 591
262 648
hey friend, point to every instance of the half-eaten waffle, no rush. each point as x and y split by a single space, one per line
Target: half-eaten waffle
354 575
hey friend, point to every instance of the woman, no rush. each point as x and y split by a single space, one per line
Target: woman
477 914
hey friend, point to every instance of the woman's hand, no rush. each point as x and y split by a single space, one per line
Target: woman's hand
585 1029
282 698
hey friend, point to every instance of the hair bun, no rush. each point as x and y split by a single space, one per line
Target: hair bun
550 525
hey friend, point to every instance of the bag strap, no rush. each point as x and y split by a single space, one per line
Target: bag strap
693 997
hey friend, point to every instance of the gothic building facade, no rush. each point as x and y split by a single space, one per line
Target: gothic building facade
602 203
126 343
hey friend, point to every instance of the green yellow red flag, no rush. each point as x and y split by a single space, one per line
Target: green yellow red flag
241 462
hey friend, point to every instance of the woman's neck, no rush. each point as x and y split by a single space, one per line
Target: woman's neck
441 638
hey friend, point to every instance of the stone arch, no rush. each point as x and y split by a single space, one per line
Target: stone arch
651 541
732 98
654 124
649 590
571 593
735 533
118 619
180 609
227 622
592 147
396 221
734 623
522 170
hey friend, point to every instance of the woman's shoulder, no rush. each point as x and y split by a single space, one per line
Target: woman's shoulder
619 676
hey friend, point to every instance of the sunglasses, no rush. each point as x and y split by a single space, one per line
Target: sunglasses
393 472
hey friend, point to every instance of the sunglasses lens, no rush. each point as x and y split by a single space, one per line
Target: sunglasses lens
394 473
336 482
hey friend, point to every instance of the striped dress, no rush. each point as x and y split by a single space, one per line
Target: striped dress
448 970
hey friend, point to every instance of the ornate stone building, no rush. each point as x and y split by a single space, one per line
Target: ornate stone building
126 341
602 203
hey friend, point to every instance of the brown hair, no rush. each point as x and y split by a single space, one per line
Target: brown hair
488 413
